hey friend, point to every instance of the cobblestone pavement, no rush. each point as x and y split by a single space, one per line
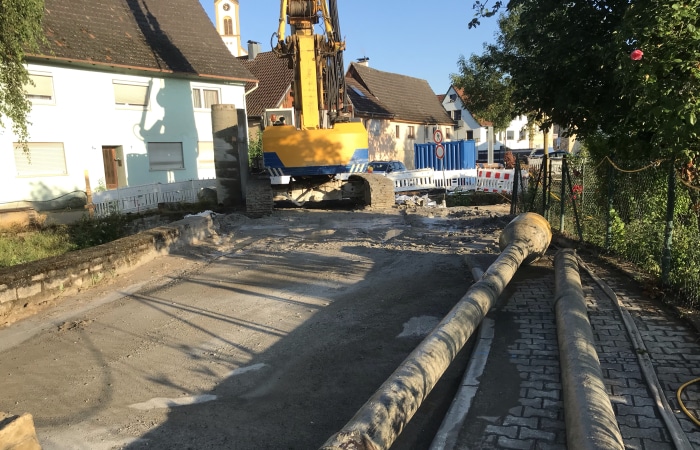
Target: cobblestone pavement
519 402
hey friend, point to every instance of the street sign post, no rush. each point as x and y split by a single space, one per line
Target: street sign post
439 151
439 154
437 136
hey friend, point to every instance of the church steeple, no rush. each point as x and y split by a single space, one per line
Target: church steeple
228 24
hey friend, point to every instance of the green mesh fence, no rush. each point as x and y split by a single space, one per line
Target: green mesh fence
620 207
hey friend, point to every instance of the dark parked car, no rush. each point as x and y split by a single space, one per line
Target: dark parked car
559 154
384 167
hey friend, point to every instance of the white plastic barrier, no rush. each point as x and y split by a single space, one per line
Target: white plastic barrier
486 180
497 180
413 180
456 180
142 198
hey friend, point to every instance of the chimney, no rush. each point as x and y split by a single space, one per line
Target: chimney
253 49
364 61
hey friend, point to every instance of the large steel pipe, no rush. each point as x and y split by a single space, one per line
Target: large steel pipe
382 418
590 419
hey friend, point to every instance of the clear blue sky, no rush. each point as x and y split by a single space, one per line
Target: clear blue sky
421 40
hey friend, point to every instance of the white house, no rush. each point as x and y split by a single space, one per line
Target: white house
121 96
515 137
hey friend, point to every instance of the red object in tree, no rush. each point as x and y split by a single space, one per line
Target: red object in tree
636 55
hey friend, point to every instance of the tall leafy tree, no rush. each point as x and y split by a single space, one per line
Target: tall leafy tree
624 70
569 62
660 79
558 56
20 32
487 90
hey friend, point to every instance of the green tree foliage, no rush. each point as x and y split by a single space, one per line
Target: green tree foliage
569 62
487 90
662 88
20 31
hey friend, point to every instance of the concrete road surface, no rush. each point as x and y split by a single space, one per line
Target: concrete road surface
269 337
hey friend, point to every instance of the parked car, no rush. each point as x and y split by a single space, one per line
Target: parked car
559 154
538 153
384 167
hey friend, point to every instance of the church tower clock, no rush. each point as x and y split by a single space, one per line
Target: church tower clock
228 25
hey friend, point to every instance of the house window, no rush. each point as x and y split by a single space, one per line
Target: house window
457 114
453 98
398 134
204 98
510 135
411 132
45 159
448 132
165 156
470 135
228 26
130 94
40 88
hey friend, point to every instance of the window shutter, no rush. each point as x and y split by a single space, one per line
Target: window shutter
44 159
131 94
165 156
43 87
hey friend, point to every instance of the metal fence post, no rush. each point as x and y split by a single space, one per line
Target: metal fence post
668 234
516 175
545 185
608 214
564 173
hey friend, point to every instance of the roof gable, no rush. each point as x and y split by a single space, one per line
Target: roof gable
167 36
404 98
275 80
459 102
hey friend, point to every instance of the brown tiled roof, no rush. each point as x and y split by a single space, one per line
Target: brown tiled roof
168 36
275 80
364 103
404 98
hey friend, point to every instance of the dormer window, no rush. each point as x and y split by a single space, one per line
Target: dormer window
453 98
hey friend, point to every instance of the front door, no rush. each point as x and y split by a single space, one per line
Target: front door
109 156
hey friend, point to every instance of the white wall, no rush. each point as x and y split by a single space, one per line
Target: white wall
518 126
84 118
452 102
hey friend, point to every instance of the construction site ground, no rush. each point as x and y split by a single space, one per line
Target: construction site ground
271 334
